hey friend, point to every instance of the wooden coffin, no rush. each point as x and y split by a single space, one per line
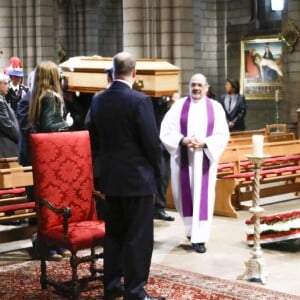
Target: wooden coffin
155 77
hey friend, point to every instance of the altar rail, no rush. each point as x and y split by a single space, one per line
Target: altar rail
280 175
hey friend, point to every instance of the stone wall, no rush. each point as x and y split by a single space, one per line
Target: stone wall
89 27
197 36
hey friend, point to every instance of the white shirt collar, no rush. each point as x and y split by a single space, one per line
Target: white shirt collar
124 81
14 87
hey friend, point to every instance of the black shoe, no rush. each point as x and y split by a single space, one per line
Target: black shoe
32 222
15 223
162 215
154 298
114 293
199 247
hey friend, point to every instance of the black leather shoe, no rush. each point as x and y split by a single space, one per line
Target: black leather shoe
154 298
199 247
114 293
162 215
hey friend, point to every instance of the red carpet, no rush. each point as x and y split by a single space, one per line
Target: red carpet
21 281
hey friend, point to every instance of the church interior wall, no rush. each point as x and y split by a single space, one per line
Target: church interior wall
198 36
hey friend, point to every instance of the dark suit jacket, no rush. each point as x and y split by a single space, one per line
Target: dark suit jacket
51 119
13 98
237 114
128 141
9 130
25 129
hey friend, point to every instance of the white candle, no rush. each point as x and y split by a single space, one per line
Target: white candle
257 145
276 95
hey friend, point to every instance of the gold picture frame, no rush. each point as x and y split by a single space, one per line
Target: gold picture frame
261 68
290 35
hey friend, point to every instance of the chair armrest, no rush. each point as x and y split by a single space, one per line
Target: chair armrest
64 211
99 195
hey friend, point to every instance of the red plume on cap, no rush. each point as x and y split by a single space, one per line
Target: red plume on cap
15 62
15 67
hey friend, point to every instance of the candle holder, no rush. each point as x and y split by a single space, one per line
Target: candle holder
255 266
277 112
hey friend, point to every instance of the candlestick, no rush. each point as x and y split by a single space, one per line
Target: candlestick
277 95
257 145
255 266
277 106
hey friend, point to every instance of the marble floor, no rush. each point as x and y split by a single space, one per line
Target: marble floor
228 251
226 255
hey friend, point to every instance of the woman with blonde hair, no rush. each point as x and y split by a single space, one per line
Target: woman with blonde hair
47 106
46 114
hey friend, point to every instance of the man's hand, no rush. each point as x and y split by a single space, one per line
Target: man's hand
192 143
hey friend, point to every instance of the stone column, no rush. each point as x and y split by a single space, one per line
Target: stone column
133 27
206 39
291 69
160 29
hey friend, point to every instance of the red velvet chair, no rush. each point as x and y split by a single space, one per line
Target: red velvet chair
65 203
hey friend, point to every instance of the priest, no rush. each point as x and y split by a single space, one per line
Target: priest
195 133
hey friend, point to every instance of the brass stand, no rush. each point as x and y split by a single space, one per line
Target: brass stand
277 112
255 265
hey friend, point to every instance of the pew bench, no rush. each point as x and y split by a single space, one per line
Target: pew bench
247 133
274 137
270 129
280 175
14 205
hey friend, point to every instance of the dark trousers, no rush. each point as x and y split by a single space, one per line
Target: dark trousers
163 182
128 244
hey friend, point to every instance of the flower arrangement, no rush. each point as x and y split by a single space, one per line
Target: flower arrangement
280 229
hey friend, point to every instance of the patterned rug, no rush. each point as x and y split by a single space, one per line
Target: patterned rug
21 281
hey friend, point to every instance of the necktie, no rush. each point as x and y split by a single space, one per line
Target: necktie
229 105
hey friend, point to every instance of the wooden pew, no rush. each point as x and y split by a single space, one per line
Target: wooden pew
274 137
247 133
276 128
281 170
14 205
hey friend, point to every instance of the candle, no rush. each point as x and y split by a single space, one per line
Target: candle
258 145
276 95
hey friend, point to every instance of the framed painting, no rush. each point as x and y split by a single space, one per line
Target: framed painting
261 68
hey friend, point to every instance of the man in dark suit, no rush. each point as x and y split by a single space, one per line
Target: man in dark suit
26 129
9 128
129 150
161 107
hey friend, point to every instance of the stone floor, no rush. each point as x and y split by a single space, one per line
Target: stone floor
226 255
227 250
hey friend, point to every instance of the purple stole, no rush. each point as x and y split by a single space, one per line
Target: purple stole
186 194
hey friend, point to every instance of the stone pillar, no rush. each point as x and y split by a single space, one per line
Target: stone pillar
133 27
161 29
291 69
183 41
206 39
